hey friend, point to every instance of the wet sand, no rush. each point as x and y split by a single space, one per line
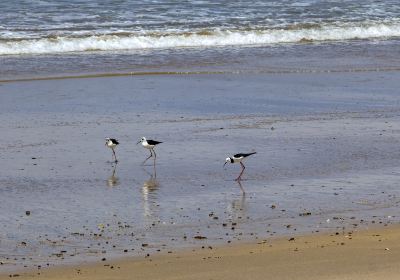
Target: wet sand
327 161
371 254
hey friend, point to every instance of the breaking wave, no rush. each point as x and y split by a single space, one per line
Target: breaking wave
205 38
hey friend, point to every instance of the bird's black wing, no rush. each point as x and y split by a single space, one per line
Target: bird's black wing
114 141
244 155
153 142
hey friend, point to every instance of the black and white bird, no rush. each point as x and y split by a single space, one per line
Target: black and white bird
149 144
112 143
238 158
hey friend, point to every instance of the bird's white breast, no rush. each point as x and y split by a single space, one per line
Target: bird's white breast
111 144
236 160
147 146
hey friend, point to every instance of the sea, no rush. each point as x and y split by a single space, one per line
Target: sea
48 38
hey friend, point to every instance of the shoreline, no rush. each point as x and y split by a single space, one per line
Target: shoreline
118 74
365 254
202 72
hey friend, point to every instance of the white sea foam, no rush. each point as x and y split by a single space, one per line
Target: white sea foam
199 39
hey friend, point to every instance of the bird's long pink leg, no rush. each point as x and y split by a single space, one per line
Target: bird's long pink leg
240 175
155 156
151 154
241 187
114 155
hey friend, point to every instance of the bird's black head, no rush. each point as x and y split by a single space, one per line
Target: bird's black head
228 159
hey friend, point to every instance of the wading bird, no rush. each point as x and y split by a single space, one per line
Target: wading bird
238 159
112 143
149 144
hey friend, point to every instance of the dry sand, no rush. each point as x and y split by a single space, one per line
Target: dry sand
370 254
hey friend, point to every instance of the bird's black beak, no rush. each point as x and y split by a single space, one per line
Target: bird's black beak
224 164
138 142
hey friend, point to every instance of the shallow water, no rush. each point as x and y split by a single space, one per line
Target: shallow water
351 56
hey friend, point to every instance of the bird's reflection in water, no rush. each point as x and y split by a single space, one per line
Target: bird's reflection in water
149 193
113 180
237 208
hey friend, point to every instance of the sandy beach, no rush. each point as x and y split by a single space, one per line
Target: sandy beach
326 162
370 254
309 88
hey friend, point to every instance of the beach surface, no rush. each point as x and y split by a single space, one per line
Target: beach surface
327 161
371 254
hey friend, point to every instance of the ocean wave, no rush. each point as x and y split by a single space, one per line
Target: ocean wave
203 38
